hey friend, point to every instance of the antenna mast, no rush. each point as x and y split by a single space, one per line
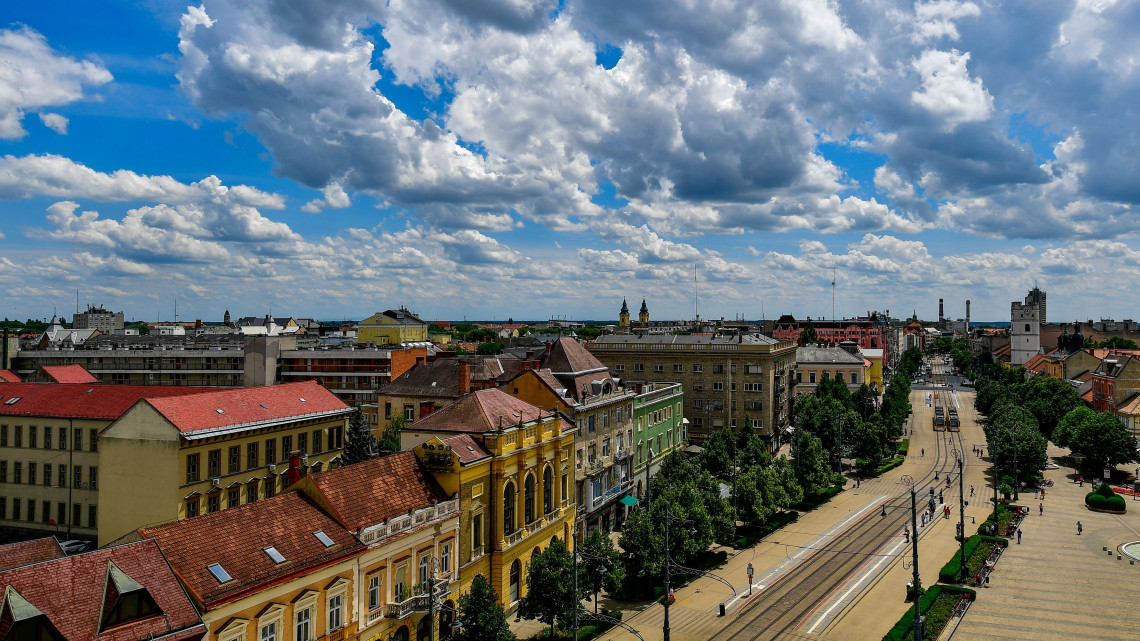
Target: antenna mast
696 296
833 294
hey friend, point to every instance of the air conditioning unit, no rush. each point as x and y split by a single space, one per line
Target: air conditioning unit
272 467
304 459
214 481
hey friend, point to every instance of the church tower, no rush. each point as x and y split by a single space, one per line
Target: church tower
226 318
623 317
643 315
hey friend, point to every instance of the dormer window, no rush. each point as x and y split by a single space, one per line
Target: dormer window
124 599
25 620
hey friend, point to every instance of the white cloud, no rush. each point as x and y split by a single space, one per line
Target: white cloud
936 19
334 198
55 122
34 76
948 92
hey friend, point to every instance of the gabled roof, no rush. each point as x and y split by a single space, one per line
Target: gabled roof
568 356
68 374
467 448
440 378
15 555
1131 405
373 491
8 376
228 408
69 591
1036 364
236 538
80 400
484 411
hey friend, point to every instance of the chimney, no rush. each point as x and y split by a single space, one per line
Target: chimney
941 315
967 312
464 378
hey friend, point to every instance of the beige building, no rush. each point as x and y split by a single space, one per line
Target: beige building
725 377
391 327
843 362
178 457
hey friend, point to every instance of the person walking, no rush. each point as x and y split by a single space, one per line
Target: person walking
1079 528
1041 509
924 451
1019 536
1081 480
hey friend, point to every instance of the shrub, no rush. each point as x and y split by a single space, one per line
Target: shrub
904 446
1096 501
937 604
978 549
1104 498
1116 503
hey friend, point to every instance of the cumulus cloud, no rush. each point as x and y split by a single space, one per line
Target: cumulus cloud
334 198
34 76
948 91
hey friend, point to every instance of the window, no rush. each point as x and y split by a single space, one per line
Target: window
192 468
93 477
733 387
425 570
47 474
3 436
678 368
31 473
61 513
477 535
516 571
270 486
547 491
251 492
15 509
3 508
235 460
409 413
47 438
270 451
638 367
317 441
77 476
398 589
698 421
659 367
31 510
753 369
606 446
17 472
63 438
697 369
757 423
528 499
192 507
718 369
698 403
753 387
304 625
303 443
854 378
811 377
33 434
718 387
590 424
387 410
233 497
93 440
336 612
286 448
62 476
45 512
77 439
19 431
563 488
251 456
373 592
91 522
753 405
76 513
213 502
620 367
509 508
269 632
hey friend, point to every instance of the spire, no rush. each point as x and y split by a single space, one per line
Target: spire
624 307
644 309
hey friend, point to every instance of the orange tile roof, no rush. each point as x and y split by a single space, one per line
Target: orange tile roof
371 492
80 400
8 376
236 539
69 591
69 374
467 448
483 411
215 410
14 555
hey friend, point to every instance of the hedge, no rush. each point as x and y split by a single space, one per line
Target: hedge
904 446
950 572
936 618
1104 499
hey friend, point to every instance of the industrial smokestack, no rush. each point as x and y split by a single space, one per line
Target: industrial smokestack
967 312
941 315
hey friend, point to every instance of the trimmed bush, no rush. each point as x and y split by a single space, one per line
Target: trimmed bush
936 604
904 446
1105 499
950 572
1116 503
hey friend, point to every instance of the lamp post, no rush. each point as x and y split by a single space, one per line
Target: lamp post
916 581
1015 429
961 517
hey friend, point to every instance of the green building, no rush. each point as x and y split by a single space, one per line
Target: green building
660 427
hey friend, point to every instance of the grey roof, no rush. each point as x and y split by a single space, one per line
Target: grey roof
687 339
829 355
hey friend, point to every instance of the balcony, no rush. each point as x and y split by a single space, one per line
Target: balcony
373 616
515 537
621 455
595 467
407 607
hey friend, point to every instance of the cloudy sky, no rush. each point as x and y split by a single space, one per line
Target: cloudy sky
530 158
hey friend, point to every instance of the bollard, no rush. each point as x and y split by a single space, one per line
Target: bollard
1104 547
1131 561
722 609
1117 557
1110 552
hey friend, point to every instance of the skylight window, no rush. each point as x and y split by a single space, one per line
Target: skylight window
219 572
323 538
303 400
13 400
274 555
263 405
220 411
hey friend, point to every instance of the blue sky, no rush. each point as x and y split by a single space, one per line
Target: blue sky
530 158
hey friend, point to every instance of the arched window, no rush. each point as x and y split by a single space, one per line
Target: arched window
509 508
423 628
401 634
547 491
528 499
516 570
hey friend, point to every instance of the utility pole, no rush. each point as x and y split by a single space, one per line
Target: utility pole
916 581
962 517
668 592
1015 429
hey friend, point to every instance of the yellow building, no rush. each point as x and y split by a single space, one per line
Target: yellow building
411 528
280 569
391 327
509 462
51 468
181 456
874 369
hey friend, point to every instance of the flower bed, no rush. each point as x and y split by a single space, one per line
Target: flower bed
978 549
937 605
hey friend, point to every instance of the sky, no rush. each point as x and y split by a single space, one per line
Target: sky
529 159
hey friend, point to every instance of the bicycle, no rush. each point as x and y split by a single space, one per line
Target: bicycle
1047 483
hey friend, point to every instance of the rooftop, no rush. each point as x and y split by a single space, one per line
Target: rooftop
225 408
69 374
484 411
15 555
371 492
80 400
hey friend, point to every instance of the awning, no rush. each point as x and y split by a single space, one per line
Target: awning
628 500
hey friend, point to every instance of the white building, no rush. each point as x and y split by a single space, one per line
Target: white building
1024 332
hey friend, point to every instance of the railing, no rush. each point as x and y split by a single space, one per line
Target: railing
374 616
621 455
594 467
515 536
407 607
408 521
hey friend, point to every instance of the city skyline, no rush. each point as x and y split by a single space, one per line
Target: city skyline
549 158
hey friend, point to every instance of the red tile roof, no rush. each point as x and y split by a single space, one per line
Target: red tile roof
227 408
8 376
467 448
371 492
569 356
69 374
69 591
236 539
483 411
14 555
80 400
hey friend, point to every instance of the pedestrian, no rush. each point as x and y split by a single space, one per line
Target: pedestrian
1082 481
971 490
858 482
924 451
1079 528
1042 492
906 534
1041 510
1019 536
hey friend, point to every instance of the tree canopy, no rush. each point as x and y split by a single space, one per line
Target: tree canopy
600 567
360 443
1099 437
550 586
480 614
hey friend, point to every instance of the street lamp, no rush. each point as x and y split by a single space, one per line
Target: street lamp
961 516
433 601
916 581
1015 429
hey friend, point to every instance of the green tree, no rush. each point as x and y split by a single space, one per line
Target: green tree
360 443
643 543
489 348
808 335
812 470
550 586
482 617
1049 400
600 567
716 457
1098 436
763 490
589 333
1008 419
390 439
864 401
